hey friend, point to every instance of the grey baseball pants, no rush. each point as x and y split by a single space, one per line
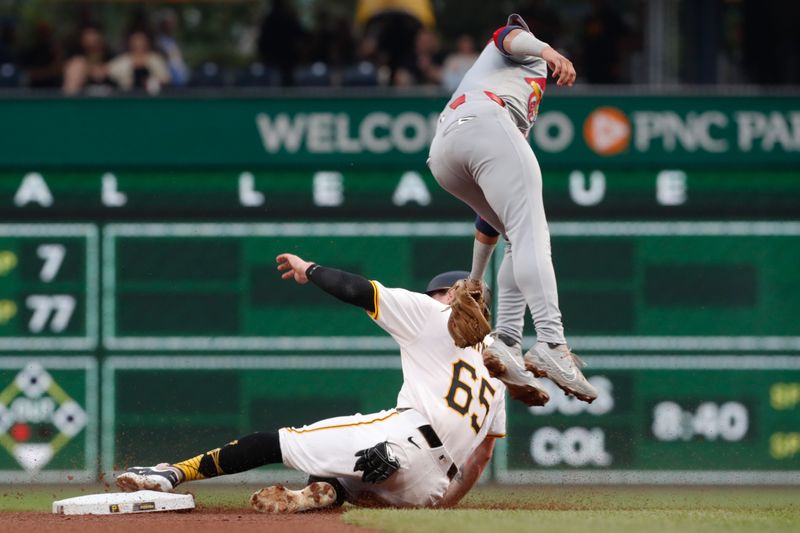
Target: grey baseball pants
479 156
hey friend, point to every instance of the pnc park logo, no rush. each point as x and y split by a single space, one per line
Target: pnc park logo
607 131
37 417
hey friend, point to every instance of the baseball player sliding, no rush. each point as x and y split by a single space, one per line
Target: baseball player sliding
481 155
428 451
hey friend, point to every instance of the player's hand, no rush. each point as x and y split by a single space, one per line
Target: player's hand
562 68
293 267
378 463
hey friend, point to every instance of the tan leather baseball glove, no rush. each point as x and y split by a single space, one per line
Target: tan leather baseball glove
470 319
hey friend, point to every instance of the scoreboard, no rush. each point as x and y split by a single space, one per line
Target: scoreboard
213 286
138 289
49 284
674 415
668 419
408 193
691 418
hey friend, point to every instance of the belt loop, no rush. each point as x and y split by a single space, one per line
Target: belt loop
434 441
499 101
430 436
458 101
452 471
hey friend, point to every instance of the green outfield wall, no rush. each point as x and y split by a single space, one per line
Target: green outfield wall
141 318
693 131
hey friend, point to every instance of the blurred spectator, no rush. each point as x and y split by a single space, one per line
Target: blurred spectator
603 34
331 42
367 51
458 63
280 39
771 42
43 59
403 78
389 40
343 50
7 51
321 37
543 21
427 67
86 69
420 10
140 67
168 45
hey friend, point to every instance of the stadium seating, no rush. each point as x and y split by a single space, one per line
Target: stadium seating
363 74
315 75
257 75
207 75
9 76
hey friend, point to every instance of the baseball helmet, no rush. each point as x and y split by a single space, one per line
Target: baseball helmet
445 280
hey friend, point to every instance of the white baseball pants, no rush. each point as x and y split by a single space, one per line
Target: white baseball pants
327 449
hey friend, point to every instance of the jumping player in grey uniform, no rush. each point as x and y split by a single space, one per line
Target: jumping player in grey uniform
481 155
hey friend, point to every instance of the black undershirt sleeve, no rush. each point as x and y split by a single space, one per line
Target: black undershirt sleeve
347 287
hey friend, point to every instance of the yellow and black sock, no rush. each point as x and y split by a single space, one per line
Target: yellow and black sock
198 467
252 451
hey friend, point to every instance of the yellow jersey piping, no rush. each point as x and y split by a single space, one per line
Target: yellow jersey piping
376 302
293 430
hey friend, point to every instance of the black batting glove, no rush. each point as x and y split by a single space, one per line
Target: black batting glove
378 463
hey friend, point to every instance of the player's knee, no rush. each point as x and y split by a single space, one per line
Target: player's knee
526 278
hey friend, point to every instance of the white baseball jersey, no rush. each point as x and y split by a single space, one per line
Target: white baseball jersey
444 386
448 385
519 82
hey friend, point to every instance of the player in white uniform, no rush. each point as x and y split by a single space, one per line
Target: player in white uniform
481 155
428 451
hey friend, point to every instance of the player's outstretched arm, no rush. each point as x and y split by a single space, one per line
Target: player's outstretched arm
469 474
293 266
347 287
561 67
521 43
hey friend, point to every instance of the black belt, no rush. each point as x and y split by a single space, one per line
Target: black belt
434 441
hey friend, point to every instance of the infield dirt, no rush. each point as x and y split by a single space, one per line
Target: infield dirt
199 520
